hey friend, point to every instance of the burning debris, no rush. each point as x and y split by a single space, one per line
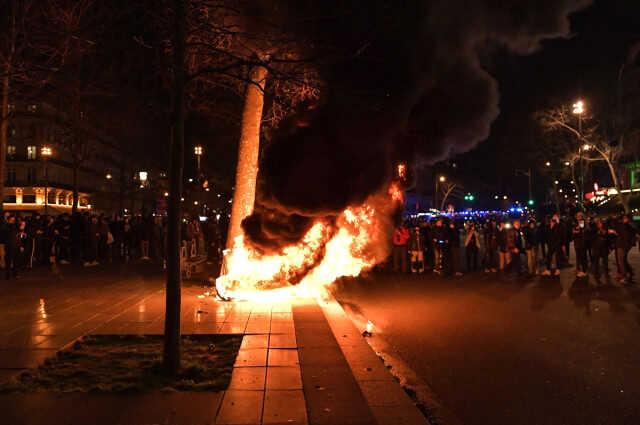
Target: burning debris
354 242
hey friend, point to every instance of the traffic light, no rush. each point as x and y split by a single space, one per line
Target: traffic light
531 202
469 197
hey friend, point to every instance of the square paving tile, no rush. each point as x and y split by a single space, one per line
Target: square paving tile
282 328
241 407
233 328
283 357
278 316
254 341
284 407
258 328
283 341
284 378
248 378
251 357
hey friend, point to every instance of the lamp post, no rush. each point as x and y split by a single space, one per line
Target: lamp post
46 152
579 109
440 179
198 152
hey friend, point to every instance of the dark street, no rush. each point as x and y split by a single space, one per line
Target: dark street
500 351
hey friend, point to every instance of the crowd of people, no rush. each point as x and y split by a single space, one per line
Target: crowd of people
523 246
89 239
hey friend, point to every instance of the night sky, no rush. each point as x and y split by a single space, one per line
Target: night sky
583 66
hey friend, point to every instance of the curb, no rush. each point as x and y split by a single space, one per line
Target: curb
388 401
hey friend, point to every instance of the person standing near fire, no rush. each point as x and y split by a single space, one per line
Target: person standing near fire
416 251
400 240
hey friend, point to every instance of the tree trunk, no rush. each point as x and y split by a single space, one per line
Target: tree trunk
624 200
121 190
4 129
171 355
248 151
74 207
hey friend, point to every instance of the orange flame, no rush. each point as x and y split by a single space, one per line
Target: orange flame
356 242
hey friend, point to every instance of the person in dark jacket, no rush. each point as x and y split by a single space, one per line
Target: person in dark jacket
503 245
600 248
579 236
454 249
531 246
472 247
93 237
490 247
517 246
440 237
555 238
625 239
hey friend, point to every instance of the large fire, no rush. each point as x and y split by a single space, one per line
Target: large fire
355 242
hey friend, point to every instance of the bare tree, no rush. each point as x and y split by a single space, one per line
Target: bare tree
579 140
38 37
447 190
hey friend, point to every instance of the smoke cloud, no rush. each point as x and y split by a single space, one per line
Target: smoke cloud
404 81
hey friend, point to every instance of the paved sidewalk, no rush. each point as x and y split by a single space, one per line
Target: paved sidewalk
299 363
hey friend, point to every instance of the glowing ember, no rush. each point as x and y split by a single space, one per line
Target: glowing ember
355 242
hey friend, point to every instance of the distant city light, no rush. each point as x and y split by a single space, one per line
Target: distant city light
142 175
108 176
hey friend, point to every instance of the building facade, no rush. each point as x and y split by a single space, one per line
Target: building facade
37 179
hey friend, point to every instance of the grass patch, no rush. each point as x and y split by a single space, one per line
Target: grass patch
132 363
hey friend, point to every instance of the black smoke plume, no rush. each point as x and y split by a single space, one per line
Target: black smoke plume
404 81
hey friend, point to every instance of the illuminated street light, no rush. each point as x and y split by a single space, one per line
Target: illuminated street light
440 179
578 108
548 164
556 182
586 147
504 197
46 153
198 152
567 163
143 175
108 176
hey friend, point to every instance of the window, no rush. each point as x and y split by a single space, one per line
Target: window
31 175
11 177
31 152
11 151
28 199
51 197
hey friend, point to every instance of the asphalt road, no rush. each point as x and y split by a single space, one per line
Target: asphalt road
502 351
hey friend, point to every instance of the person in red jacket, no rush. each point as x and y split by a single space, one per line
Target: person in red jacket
400 240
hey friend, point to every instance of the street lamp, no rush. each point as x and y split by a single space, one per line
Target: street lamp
548 164
579 109
440 179
46 153
197 150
